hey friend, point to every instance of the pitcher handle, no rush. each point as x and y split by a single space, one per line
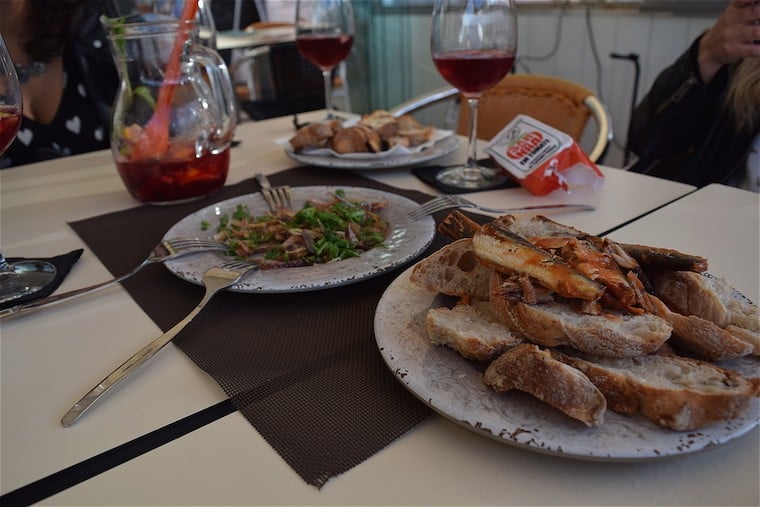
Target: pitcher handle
218 77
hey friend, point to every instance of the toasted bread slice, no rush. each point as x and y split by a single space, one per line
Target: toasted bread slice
747 336
454 270
707 296
701 337
356 139
612 334
529 369
675 392
414 131
315 135
471 329
382 122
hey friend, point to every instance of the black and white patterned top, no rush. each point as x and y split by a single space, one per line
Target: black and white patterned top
75 128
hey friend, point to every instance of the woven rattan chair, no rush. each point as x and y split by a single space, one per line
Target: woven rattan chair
562 104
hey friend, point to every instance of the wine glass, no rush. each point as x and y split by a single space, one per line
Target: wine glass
17 279
473 43
324 36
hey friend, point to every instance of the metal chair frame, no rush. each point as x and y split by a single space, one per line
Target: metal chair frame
516 85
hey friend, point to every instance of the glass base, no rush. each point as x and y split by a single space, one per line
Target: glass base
475 177
25 277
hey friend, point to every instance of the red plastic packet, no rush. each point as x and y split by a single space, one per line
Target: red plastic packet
541 158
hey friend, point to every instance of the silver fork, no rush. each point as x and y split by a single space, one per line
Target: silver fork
277 198
448 201
166 250
214 280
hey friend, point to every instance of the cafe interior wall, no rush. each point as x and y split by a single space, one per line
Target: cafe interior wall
391 60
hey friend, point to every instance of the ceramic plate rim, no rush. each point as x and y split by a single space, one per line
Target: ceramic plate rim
407 239
440 149
516 418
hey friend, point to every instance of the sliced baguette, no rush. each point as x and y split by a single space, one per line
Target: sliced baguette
675 392
713 299
701 337
611 334
453 270
529 369
471 329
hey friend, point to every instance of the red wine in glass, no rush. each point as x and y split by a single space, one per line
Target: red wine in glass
25 277
473 45
325 51
473 72
10 119
324 36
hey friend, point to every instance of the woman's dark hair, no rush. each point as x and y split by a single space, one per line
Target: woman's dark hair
50 25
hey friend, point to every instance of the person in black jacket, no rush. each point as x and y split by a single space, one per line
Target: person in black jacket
68 77
700 121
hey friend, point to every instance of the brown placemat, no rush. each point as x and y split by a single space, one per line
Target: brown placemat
303 368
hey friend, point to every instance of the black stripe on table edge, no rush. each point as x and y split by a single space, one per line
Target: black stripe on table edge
80 472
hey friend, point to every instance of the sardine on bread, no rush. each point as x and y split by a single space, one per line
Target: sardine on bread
598 303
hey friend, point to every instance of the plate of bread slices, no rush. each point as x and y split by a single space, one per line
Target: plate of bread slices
374 141
544 337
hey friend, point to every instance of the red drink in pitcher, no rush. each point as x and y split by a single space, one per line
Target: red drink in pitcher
10 119
473 71
174 180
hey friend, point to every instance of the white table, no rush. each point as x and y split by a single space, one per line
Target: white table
238 39
48 360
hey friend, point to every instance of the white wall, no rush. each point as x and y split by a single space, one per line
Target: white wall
658 38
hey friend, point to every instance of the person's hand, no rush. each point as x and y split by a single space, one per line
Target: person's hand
735 35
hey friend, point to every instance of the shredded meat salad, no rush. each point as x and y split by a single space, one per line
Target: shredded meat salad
320 232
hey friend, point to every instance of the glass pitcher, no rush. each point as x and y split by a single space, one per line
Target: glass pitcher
174 115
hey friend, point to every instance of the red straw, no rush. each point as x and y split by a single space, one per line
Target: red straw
154 140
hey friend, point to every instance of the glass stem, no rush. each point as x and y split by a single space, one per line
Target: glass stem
327 76
4 266
472 143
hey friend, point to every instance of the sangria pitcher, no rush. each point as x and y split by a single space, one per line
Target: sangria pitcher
174 115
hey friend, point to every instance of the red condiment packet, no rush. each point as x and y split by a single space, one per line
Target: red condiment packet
541 158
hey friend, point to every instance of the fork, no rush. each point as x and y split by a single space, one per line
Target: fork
277 198
214 280
167 249
448 201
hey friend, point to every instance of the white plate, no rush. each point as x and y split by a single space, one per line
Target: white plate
406 240
454 387
445 146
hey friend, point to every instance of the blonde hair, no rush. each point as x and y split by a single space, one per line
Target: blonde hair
743 97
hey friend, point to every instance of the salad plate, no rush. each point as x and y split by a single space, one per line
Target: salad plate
454 387
406 240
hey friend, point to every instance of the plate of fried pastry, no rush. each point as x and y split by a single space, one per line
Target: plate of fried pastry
375 141
543 337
